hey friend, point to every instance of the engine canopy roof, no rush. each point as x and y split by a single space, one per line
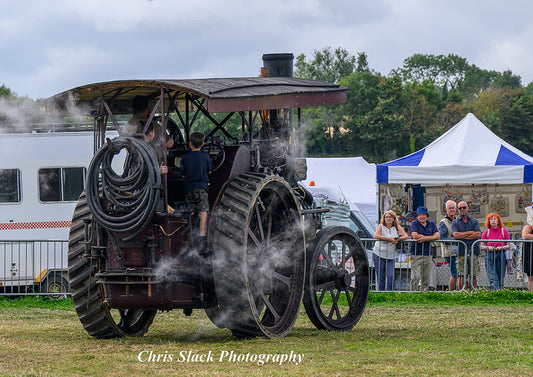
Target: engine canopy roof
220 94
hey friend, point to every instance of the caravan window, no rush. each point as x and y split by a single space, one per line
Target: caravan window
9 186
60 184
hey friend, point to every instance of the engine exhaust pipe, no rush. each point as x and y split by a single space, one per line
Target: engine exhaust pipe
278 65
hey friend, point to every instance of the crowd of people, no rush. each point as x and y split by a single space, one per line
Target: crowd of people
493 244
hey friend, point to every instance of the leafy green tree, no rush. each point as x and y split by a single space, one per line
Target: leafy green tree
507 80
372 116
445 71
6 92
457 78
508 112
326 65
362 62
422 104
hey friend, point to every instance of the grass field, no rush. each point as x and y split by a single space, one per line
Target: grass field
434 334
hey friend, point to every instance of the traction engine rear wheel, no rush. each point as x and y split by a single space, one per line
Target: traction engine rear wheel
97 317
258 257
336 285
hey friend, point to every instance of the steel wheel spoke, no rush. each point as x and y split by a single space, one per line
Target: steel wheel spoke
259 222
343 254
330 248
270 307
324 285
335 306
281 237
268 210
348 298
322 294
282 278
327 257
269 230
253 237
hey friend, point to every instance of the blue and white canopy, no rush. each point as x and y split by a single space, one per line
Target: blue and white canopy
468 153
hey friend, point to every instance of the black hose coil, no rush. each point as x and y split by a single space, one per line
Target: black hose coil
124 203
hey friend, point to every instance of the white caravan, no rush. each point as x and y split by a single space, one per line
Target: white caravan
41 178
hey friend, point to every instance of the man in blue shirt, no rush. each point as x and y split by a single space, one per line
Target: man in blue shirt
466 229
424 231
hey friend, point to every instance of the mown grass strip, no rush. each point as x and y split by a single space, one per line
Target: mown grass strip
469 297
390 340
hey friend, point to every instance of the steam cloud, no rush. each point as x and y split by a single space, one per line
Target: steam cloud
26 115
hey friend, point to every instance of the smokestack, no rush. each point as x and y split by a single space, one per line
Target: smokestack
278 65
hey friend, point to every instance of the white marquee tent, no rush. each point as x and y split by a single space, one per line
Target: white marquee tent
468 153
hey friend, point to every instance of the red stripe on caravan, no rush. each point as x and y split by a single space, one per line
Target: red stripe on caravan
35 225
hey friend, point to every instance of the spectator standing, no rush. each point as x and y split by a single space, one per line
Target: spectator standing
466 229
495 251
423 231
389 233
527 252
449 250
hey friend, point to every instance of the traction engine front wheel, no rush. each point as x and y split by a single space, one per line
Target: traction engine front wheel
337 281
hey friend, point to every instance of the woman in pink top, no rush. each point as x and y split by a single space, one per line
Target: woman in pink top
494 250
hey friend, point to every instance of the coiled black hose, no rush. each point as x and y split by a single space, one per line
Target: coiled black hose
124 203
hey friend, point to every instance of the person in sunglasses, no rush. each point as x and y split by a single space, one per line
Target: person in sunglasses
466 229
449 250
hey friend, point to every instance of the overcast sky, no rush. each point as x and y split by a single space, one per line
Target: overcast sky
50 46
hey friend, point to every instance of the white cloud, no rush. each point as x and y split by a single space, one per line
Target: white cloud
511 52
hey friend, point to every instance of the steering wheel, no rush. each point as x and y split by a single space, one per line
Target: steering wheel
216 155
173 129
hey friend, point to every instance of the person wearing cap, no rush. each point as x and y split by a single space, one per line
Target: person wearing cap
527 252
466 229
423 231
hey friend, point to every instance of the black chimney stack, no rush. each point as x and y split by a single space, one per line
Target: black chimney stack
278 65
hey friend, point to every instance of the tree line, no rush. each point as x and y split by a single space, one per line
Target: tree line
387 117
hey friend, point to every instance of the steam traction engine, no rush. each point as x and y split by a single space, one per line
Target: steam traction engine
133 245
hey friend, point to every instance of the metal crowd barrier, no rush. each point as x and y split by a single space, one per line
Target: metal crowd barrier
39 267
439 274
36 267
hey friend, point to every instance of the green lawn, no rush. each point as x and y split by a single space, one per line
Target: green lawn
411 334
